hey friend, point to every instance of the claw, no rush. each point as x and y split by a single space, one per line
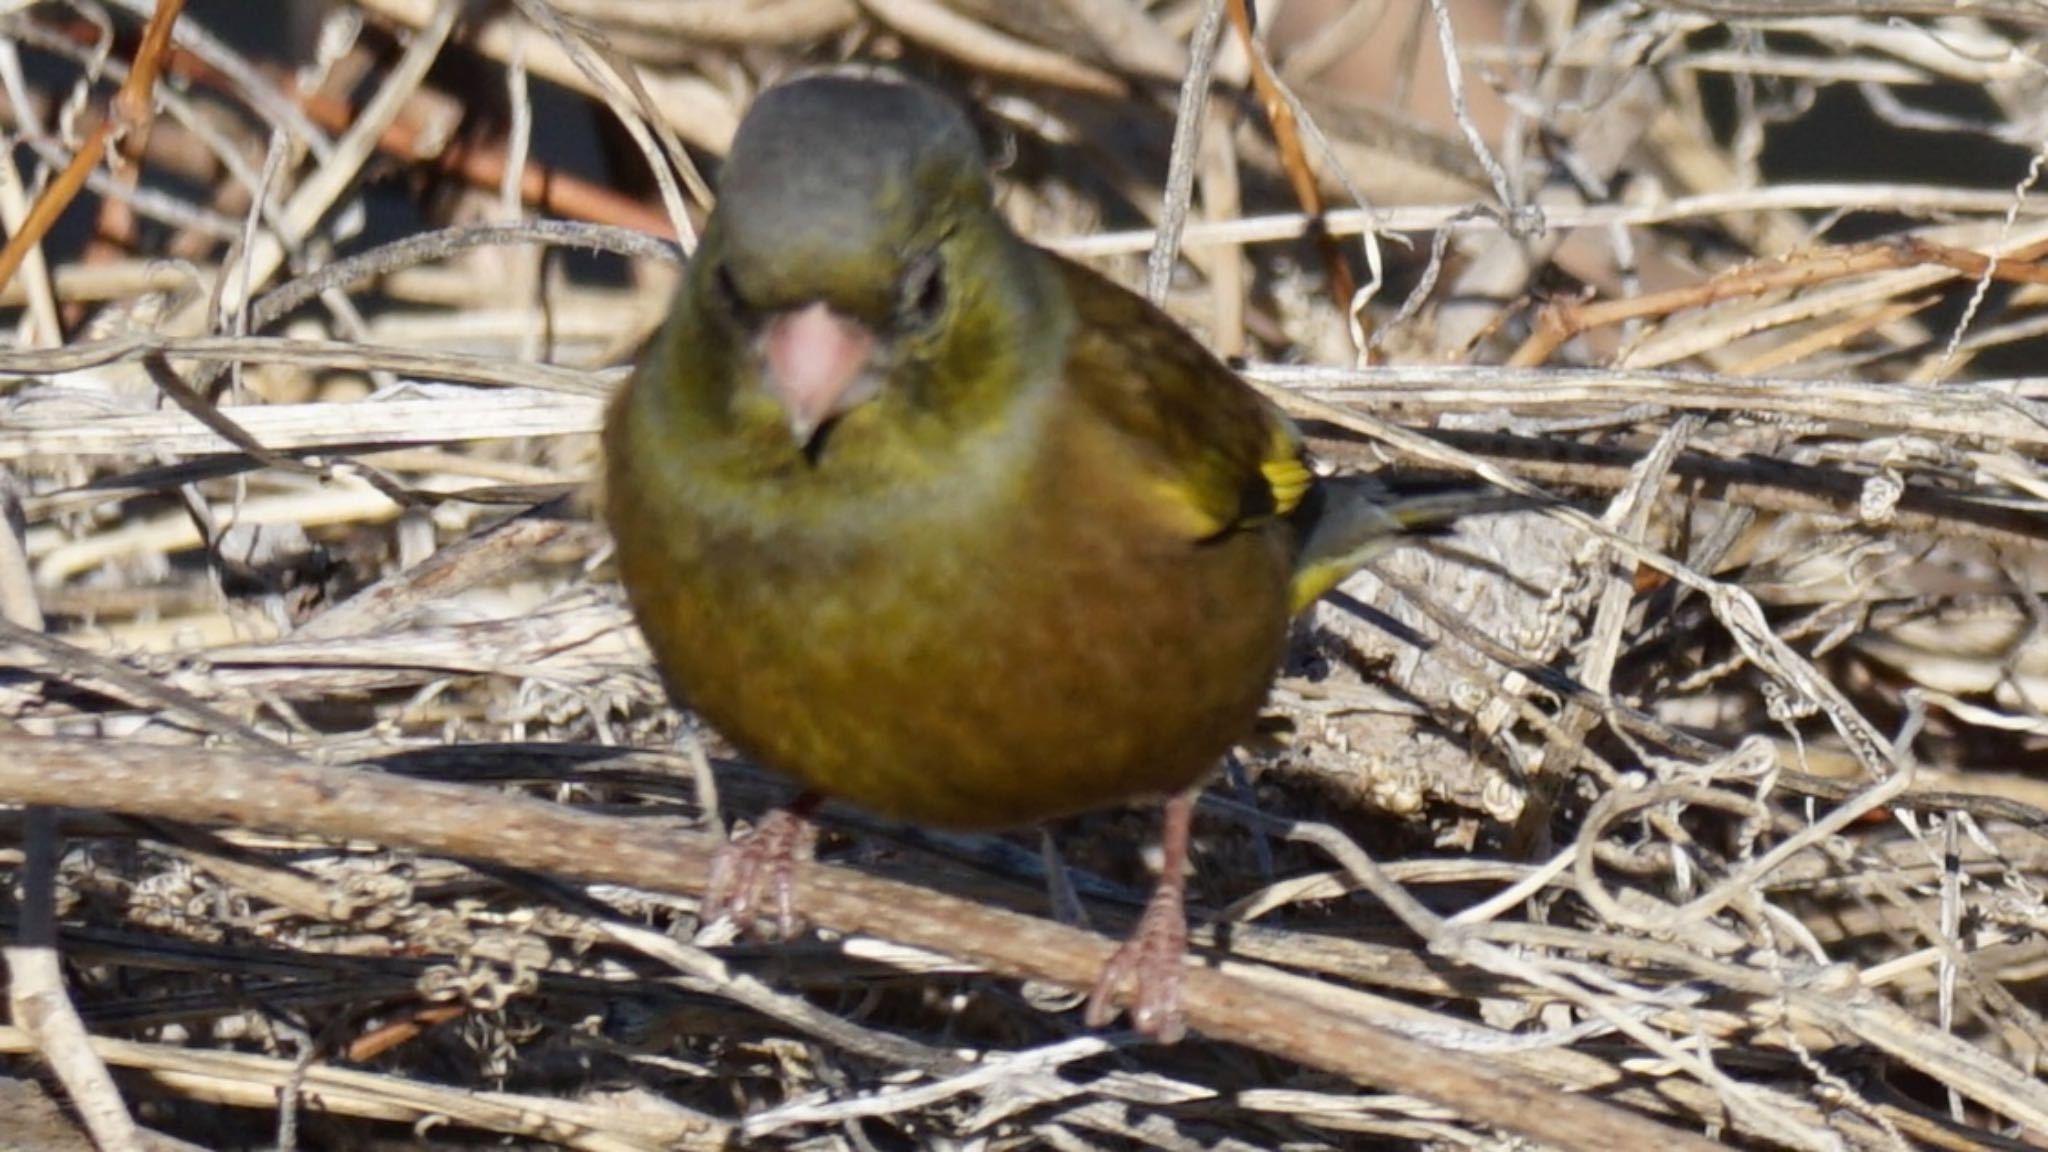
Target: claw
761 863
1154 959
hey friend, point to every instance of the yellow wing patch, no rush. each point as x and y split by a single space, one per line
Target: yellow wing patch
1286 472
1182 511
1199 510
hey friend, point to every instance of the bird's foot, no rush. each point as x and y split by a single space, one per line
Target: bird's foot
1154 959
749 870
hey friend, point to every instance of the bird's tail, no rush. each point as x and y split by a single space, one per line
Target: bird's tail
1349 521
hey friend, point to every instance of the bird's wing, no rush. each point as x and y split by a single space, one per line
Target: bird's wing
1214 454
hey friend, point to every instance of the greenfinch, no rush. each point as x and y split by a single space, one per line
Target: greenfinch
935 522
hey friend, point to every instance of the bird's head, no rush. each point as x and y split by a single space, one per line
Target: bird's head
857 302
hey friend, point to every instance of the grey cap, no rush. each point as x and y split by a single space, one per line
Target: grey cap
846 165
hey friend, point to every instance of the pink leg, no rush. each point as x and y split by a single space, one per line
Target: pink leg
1154 958
758 865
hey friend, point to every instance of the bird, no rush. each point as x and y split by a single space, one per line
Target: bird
938 523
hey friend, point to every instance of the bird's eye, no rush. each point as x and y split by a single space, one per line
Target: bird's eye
729 292
924 293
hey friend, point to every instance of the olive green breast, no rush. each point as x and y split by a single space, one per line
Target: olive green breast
1028 644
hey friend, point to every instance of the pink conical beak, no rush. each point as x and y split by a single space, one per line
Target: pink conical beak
818 366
